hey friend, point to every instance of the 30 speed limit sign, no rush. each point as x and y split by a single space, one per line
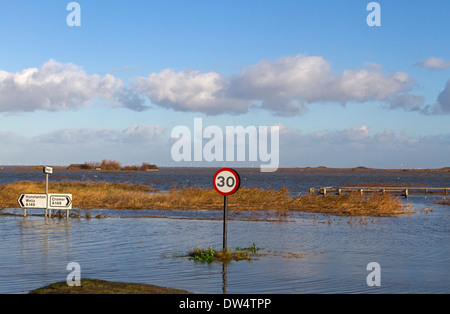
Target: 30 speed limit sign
226 181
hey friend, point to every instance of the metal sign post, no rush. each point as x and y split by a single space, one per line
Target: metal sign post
225 220
46 201
226 181
47 171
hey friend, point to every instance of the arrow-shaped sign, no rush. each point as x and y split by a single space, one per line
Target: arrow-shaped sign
33 201
60 201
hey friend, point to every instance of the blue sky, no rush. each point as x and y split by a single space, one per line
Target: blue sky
343 93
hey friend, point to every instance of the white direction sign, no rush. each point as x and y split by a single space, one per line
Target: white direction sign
33 201
59 201
48 170
226 181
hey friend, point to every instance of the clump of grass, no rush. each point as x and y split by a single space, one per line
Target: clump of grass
252 249
99 216
224 256
76 214
200 255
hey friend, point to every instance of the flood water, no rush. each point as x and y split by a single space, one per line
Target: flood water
306 254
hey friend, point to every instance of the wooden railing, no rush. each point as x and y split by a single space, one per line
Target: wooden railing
401 190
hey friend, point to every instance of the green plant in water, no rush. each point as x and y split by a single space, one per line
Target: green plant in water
203 255
252 249
225 256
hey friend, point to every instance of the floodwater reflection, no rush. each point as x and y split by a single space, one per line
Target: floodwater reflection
412 251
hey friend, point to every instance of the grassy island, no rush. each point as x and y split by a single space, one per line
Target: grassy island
112 165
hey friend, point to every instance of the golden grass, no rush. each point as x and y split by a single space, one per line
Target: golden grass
102 195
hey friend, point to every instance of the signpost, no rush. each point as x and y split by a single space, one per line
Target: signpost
47 171
226 182
46 201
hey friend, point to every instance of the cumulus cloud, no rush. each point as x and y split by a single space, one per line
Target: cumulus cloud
283 87
442 105
310 79
131 99
54 86
190 91
443 101
434 63
407 102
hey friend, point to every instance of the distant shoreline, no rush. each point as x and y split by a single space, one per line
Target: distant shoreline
319 168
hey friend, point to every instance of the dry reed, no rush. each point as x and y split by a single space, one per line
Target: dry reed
92 195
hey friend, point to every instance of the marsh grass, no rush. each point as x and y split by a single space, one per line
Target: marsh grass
238 254
279 203
223 256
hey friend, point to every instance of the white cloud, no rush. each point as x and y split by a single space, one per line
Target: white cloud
434 63
310 79
189 91
283 87
54 86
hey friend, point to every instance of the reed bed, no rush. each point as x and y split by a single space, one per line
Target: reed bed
104 195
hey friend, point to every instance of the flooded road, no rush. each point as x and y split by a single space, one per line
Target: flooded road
307 254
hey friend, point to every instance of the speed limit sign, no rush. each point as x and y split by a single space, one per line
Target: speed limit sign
226 181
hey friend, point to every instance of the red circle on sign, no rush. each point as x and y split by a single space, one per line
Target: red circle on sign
222 183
